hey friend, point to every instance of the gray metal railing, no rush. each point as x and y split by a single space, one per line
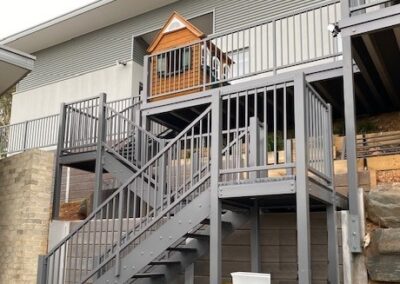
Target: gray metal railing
265 47
81 121
128 140
319 135
257 140
179 173
43 132
357 7
36 133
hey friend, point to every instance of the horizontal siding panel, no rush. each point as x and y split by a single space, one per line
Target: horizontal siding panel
104 47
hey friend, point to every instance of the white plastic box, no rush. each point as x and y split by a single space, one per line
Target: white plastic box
250 278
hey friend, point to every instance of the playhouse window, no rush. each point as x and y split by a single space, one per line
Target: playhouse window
226 72
175 61
216 67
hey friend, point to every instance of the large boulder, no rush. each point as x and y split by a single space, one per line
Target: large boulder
383 256
383 208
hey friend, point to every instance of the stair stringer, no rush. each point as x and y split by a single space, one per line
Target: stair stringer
122 173
236 220
160 240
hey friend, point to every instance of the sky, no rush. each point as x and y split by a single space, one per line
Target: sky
19 15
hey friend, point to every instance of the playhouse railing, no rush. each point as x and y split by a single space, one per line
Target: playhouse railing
269 46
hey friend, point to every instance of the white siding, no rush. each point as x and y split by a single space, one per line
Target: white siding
103 47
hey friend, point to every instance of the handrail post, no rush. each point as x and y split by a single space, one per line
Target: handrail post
215 210
345 4
25 135
146 93
162 172
204 62
58 165
329 144
42 270
274 48
333 243
101 138
302 195
254 153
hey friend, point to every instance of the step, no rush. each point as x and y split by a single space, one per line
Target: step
197 236
149 275
165 262
207 222
182 249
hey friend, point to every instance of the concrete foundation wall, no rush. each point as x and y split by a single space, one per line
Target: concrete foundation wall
25 199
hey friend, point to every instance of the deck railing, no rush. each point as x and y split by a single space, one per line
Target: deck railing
259 133
319 135
269 46
357 7
36 133
43 132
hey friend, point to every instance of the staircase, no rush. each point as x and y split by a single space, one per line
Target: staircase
156 222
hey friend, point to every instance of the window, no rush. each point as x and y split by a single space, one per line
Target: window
226 72
241 59
216 68
207 55
175 61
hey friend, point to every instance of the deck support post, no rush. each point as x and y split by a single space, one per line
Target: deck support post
58 166
215 210
101 138
302 195
255 238
350 125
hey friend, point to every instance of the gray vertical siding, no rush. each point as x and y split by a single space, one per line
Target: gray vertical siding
102 48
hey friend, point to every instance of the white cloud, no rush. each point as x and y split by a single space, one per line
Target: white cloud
18 15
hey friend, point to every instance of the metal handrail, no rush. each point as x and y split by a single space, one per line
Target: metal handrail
22 136
132 186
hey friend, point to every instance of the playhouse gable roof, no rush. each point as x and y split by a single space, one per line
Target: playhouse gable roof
175 23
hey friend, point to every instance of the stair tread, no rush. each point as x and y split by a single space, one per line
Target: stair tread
207 222
148 275
164 262
182 249
197 236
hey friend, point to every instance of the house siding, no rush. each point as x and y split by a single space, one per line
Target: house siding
103 47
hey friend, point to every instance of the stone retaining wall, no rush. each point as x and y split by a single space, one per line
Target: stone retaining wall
25 200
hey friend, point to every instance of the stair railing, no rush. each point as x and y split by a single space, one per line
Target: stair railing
126 138
122 221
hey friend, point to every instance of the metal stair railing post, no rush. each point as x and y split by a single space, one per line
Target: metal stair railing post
215 206
333 242
42 269
345 4
302 195
254 153
162 171
58 166
25 134
101 139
